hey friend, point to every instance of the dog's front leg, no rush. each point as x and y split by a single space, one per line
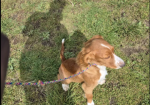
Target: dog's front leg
88 93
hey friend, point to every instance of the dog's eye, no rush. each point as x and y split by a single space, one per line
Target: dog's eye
107 57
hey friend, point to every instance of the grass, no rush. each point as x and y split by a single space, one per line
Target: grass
35 29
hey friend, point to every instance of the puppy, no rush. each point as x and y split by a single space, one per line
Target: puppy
95 51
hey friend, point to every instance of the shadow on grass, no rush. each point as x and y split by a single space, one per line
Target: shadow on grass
40 59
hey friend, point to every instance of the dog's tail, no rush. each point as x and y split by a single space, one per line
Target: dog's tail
62 51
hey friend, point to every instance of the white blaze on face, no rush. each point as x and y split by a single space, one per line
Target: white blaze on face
118 60
105 46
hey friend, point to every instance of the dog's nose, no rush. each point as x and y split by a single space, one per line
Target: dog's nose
123 64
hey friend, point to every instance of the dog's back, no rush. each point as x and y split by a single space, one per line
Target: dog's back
68 67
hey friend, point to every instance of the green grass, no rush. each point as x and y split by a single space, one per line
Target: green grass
35 29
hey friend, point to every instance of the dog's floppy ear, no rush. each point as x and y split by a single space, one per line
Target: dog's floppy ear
89 57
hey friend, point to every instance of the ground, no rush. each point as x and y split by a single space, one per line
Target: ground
35 29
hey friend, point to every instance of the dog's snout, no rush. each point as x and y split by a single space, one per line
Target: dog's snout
119 62
122 65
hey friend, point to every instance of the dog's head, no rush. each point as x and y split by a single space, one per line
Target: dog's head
100 52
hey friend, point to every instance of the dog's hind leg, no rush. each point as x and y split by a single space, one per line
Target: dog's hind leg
65 87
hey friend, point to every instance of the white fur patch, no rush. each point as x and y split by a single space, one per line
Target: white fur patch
63 40
103 72
92 103
117 61
65 87
105 46
102 82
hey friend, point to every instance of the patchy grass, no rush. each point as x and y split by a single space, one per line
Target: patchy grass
35 29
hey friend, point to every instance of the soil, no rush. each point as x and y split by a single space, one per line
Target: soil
113 101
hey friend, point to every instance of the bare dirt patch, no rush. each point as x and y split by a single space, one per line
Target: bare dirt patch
113 101
147 23
17 39
18 16
38 93
130 51
139 46
50 42
118 85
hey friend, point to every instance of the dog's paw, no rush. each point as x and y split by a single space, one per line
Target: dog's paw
65 87
102 82
92 103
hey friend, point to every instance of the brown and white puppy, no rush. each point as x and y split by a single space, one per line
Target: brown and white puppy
97 51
